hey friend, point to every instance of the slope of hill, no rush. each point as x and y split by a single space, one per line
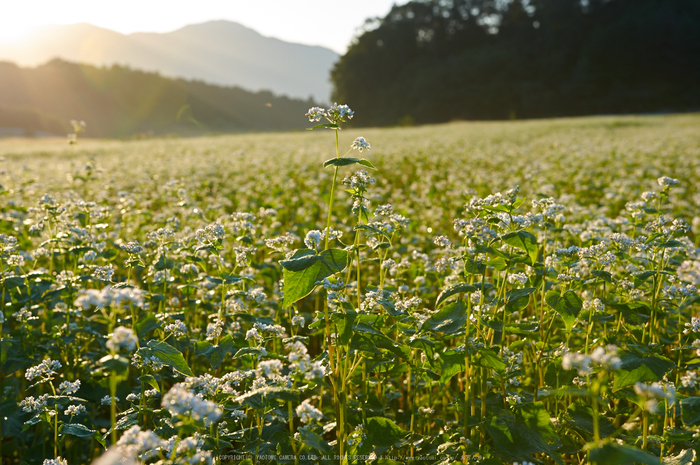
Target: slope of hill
120 102
218 52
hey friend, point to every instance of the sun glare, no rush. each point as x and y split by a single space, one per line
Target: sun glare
11 32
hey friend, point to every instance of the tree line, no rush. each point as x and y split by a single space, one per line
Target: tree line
438 60
117 101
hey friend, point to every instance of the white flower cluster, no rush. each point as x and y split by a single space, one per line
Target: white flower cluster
308 413
442 241
180 401
281 242
110 296
517 278
69 388
594 305
138 444
605 358
693 326
665 181
76 410
652 393
31 404
361 180
314 238
271 330
335 114
122 338
56 461
272 369
178 329
211 234
300 362
690 380
360 144
45 370
132 247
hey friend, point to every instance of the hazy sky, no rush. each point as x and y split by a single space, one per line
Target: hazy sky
331 23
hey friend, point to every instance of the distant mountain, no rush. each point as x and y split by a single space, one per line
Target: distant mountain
217 52
120 102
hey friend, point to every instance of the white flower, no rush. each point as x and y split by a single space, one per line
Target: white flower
122 338
140 445
56 461
46 369
178 328
107 400
665 181
315 113
180 401
76 410
359 181
313 239
651 393
252 334
31 404
360 144
308 413
69 388
605 358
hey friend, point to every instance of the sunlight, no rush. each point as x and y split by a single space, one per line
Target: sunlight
14 32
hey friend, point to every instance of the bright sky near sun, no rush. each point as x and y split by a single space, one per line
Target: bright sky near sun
331 23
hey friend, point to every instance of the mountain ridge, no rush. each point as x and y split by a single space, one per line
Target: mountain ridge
218 52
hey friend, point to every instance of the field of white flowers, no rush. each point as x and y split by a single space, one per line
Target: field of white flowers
471 292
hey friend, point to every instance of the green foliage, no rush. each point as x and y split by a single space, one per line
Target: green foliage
540 324
431 61
306 268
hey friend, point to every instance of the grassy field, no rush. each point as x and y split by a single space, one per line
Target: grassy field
492 293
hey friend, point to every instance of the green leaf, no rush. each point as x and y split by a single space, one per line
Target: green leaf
366 227
314 441
76 429
451 319
452 363
146 325
517 299
490 359
672 244
247 351
300 260
151 381
616 454
456 289
366 163
345 161
690 411
602 274
635 368
344 322
301 277
324 125
215 353
258 398
525 241
684 457
644 275
167 354
581 418
568 306
382 432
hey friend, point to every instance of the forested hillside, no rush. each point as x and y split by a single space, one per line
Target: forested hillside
121 102
438 60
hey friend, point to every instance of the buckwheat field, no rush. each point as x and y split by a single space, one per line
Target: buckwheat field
465 293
